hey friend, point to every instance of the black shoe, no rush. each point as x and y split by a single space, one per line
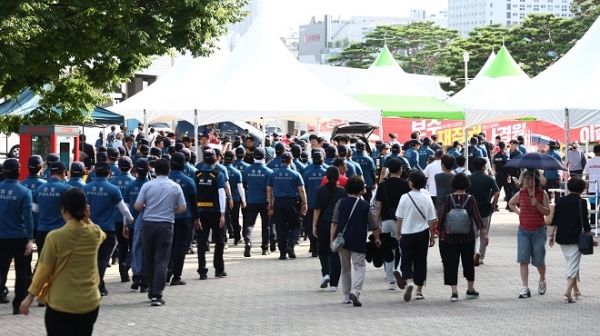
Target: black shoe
124 272
290 252
5 291
282 256
247 249
114 261
314 254
169 275
157 302
4 299
273 245
144 288
103 292
265 252
207 247
203 276
136 284
236 241
221 274
176 281
16 311
41 305
190 251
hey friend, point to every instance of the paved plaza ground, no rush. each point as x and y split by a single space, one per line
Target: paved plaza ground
266 296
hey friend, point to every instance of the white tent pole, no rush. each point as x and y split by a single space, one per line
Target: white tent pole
381 129
318 129
567 131
196 133
146 124
263 129
466 148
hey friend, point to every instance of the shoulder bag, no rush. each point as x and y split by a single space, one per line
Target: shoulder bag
43 294
586 241
339 241
422 215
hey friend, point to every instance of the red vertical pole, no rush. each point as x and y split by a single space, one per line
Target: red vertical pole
76 149
53 145
24 154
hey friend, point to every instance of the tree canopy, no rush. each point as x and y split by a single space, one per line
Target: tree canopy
75 51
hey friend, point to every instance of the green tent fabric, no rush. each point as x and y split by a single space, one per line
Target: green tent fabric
503 65
387 87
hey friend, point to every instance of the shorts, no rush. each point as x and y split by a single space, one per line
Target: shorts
531 247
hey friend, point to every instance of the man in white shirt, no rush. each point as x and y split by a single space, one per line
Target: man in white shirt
591 172
431 170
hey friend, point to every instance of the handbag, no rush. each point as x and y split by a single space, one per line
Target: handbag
339 241
425 218
43 294
586 241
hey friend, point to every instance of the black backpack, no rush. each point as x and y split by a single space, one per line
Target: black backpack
207 191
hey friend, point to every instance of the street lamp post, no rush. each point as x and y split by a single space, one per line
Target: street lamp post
466 59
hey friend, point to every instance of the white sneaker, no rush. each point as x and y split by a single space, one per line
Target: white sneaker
325 281
542 287
392 286
347 299
333 289
408 291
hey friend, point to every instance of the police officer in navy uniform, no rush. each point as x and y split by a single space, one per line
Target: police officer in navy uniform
283 187
211 197
330 155
342 151
384 150
368 167
16 230
33 181
122 181
296 152
239 163
498 161
313 177
255 177
238 195
50 159
76 175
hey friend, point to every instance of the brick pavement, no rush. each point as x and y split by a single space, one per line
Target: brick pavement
266 296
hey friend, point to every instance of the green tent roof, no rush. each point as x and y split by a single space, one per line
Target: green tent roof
503 65
385 58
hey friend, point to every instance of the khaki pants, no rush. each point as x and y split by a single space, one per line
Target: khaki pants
347 258
480 239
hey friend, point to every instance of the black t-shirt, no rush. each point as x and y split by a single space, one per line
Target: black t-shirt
499 161
389 193
483 187
325 200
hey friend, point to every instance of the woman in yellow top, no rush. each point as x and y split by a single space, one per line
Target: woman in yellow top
67 277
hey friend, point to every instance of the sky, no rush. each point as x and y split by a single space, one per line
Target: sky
286 14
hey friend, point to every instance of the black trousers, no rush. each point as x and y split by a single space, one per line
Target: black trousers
552 184
67 324
287 221
368 194
182 237
15 248
308 220
123 244
232 218
330 261
451 255
252 211
40 239
501 181
210 220
156 242
413 262
105 251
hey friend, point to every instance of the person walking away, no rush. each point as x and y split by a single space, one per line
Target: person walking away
412 154
50 160
122 181
379 160
211 197
416 222
16 230
553 177
76 175
238 194
67 276
387 198
184 222
353 218
368 168
313 177
531 237
503 180
102 198
473 152
461 247
576 159
161 199
592 173
483 189
325 199
425 152
283 188
430 171
90 155
443 179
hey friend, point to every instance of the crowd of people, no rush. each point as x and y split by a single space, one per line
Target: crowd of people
150 197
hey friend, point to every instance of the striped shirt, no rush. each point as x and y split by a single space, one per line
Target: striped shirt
530 218
473 212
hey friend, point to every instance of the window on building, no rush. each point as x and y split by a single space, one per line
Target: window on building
550 1
521 16
515 14
536 8
508 23
543 6
491 22
550 7
508 6
508 15
522 7
528 6
515 6
564 8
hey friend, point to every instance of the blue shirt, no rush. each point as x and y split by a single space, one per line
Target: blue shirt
76 182
553 174
474 152
385 160
412 156
46 174
299 166
47 197
235 177
311 165
114 171
269 153
256 176
188 186
424 153
189 170
313 177
32 183
15 206
483 149
102 197
367 165
131 194
329 161
121 181
454 152
285 182
221 179
522 149
240 165
353 168
276 164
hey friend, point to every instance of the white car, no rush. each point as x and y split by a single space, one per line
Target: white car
9 145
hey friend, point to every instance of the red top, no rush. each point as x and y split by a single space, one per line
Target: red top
530 218
341 181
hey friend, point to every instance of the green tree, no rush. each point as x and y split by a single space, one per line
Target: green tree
357 55
74 51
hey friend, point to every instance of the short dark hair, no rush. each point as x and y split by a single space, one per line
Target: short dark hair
82 137
576 184
74 202
460 161
460 181
596 149
338 162
418 179
479 163
394 166
439 153
355 185
12 174
102 173
448 161
162 167
513 141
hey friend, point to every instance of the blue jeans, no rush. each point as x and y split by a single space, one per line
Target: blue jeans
137 251
531 247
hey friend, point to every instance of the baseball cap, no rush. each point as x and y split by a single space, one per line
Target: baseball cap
77 168
58 166
239 152
279 148
155 151
384 146
229 156
141 164
296 151
187 153
102 149
166 157
317 156
342 150
35 161
209 154
331 152
275 135
259 153
145 142
125 163
360 146
455 144
113 153
179 146
51 158
178 159
552 143
427 141
287 156
501 144
102 166
396 148
415 142
144 149
11 165
474 140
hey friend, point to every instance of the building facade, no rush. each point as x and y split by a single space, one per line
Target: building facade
464 15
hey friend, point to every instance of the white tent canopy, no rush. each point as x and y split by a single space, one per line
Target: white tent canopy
263 80
570 84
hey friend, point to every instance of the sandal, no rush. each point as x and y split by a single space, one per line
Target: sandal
569 298
577 295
